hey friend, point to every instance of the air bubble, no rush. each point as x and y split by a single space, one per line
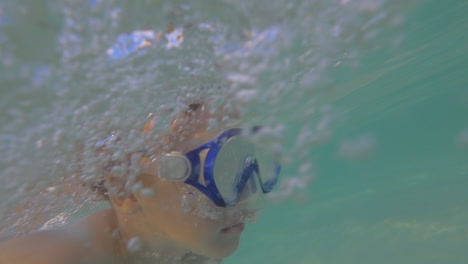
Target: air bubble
175 38
213 124
137 187
462 139
51 188
39 143
206 27
360 148
239 78
134 245
291 188
130 43
186 205
247 95
119 171
147 192
58 136
185 7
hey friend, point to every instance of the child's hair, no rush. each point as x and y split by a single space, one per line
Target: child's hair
196 118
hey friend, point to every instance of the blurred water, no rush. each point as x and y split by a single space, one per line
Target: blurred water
369 100
407 202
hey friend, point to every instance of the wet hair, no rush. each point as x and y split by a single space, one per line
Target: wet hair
193 119
194 107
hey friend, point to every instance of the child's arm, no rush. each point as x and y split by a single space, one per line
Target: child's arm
47 247
84 242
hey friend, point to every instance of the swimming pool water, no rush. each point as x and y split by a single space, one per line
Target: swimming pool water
370 99
408 202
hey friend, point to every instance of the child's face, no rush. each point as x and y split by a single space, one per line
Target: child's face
181 216
179 213
194 224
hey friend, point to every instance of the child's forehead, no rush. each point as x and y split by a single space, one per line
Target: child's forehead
199 138
198 125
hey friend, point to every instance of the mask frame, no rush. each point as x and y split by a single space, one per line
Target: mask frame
177 166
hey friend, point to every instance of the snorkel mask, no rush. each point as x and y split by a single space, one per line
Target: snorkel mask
227 170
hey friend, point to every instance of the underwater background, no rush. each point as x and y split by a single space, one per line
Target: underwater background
366 99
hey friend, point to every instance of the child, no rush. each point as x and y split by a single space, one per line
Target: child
191 205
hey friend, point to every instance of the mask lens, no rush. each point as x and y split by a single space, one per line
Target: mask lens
229 167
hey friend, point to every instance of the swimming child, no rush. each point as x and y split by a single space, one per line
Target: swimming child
190 205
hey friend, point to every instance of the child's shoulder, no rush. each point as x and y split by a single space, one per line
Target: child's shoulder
77 243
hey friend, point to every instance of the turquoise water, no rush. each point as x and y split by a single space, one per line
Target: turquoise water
408 203
372 97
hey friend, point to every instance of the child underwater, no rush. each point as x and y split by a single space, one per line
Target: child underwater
191 207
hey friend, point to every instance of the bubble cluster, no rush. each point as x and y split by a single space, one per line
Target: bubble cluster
195 202
72 110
